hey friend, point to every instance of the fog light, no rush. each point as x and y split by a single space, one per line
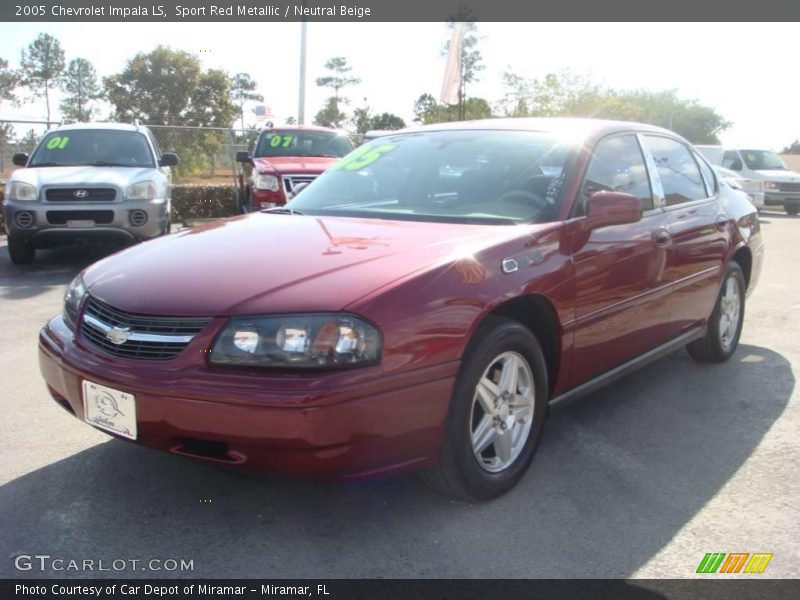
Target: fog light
138 217
24 219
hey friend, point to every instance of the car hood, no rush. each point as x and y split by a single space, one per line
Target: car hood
269 263
294 164
83 175
778 175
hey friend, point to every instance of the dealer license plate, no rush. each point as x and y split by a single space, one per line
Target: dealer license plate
109 409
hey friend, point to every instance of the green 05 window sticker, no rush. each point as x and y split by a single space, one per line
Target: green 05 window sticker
363 157
57 142
281 140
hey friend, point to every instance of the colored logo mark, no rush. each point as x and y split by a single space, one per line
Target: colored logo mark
734 562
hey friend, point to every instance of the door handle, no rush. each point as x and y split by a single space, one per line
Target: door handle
661 237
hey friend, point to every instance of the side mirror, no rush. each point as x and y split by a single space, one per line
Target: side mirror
612 208
20 159
243 156
736 165
168 159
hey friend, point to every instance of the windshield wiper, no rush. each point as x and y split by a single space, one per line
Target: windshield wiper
282 210
103 163
52 164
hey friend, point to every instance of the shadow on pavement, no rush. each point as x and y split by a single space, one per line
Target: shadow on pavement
616 476
52 267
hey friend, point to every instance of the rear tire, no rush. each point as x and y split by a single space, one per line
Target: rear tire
496 414
21 250
725 324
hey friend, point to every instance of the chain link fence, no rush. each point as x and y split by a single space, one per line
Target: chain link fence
18 136
207 154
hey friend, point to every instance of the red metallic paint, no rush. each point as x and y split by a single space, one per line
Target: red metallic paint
428 286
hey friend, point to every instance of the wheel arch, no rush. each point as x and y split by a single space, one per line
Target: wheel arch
744 258
538 315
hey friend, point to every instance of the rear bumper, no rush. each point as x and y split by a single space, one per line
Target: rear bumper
346 432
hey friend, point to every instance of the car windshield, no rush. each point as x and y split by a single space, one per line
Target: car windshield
495 177
302 143
101 147
763 159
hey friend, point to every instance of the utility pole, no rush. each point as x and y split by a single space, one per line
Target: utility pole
301 109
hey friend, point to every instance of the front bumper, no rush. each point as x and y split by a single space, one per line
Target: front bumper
266 199
329 425
774 198
54 223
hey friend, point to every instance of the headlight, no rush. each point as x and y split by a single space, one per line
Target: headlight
18 190
76 292
770 185
266 182
318 341
144 190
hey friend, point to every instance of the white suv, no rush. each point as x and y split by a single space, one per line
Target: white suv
88 181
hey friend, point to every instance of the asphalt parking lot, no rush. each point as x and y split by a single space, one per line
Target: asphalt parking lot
640 479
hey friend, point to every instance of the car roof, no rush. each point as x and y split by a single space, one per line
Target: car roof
302 128
575 127
113 126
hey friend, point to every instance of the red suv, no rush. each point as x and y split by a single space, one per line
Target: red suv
283 159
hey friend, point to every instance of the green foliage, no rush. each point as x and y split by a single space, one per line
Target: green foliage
330 115
42 65
28 142
336 81
363 121
81 87
427 110
243 90
203 202
9 80
568 95
168 87
793 148
158 88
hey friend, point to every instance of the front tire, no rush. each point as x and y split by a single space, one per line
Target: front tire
725 324
792 209
21 250
496 414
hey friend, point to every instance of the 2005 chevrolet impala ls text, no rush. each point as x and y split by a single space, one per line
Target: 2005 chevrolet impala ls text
418 306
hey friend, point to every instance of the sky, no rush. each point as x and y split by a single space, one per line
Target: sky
747 72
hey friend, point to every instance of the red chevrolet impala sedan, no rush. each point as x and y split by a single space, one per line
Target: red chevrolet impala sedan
418 306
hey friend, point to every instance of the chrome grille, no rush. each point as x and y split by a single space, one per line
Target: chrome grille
154 338
789 186
80 194
290 182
